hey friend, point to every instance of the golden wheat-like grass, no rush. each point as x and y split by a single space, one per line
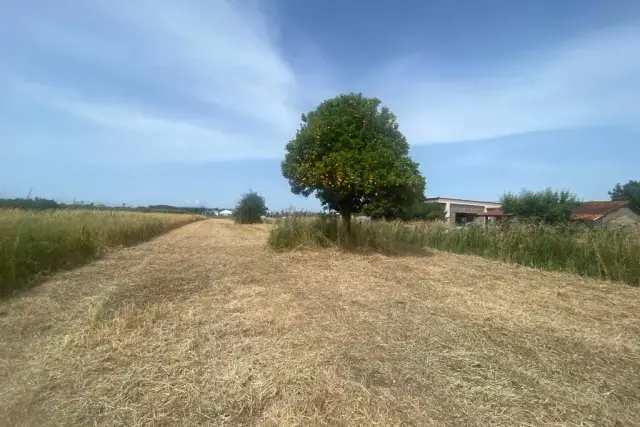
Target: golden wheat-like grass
36 243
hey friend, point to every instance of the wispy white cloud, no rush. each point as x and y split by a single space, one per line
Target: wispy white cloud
215 55
198 80
594 80
176 139
225 50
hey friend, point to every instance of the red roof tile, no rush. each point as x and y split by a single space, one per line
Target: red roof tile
594 210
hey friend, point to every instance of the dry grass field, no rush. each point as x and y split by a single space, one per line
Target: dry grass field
207 326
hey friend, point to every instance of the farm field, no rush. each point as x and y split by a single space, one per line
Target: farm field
36 243
206 325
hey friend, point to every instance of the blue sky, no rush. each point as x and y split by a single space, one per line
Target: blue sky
192 102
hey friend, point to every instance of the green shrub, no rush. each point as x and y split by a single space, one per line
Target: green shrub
250 208
548 206
35 243
605 253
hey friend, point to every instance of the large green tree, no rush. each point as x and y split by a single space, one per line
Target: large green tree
629 191
350 153
550 206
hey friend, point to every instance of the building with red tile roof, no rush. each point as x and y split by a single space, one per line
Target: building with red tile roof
600 214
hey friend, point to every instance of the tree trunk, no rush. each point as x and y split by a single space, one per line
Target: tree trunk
346 220
345 211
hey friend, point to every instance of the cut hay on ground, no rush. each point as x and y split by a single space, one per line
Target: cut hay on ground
206 326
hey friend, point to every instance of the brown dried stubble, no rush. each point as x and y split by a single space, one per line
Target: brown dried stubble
205 326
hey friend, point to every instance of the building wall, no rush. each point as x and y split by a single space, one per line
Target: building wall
455 208
451 206
622 216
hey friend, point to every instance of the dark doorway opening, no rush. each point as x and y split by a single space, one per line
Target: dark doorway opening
464 218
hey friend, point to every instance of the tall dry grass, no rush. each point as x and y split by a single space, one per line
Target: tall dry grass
612 254
35 243
326 230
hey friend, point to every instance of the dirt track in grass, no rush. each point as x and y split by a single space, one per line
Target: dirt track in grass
207 326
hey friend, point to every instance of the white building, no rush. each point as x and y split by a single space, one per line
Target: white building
225 212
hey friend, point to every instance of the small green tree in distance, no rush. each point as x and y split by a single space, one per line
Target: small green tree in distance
551 207
350 153
629 191
250 208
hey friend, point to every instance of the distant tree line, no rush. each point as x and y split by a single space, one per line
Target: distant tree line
39 203
36 203
549 206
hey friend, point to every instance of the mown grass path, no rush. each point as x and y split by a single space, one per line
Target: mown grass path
207 326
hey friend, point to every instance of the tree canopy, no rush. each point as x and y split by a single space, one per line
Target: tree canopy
550 206
629 191
350 153
250 208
